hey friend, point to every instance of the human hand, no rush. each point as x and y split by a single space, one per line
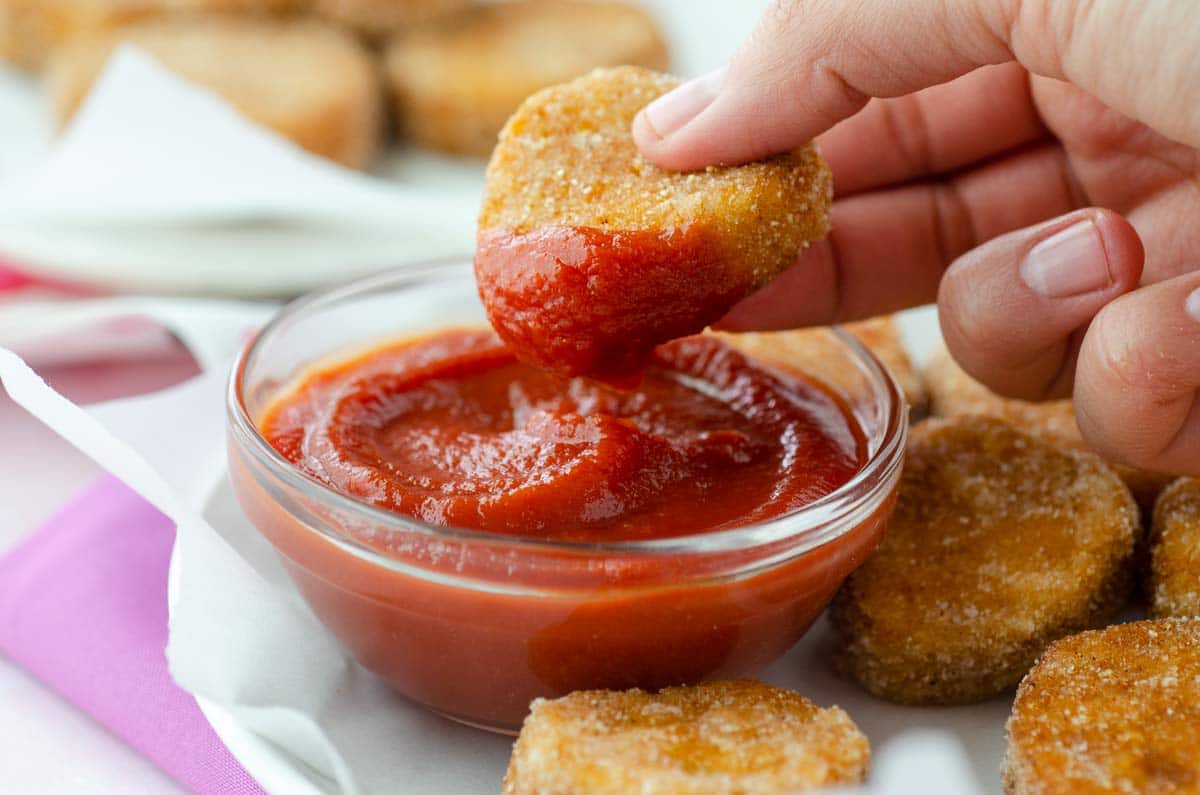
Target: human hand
1032 164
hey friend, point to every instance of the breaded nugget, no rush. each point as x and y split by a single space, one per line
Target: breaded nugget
1115 710
379 18
310 83
456 83
1000 544
589 256
953 393
31 29
881 335
816 352
723 738
1174 587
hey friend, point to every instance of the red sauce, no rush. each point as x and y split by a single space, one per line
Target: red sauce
582 301
453 430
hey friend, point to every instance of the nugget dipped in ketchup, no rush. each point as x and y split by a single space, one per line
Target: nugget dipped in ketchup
588 256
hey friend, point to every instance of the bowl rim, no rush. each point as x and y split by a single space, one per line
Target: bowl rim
815 523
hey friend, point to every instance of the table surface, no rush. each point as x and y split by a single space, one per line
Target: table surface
46 745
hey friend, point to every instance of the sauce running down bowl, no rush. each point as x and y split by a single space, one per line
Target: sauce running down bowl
476 620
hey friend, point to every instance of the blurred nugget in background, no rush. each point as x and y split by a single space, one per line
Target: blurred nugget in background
456 82
311 83
31 29
377 19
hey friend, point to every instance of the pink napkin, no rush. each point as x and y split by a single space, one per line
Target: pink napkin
84 608
12 279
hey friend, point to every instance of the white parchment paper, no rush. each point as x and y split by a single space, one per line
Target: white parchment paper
297 712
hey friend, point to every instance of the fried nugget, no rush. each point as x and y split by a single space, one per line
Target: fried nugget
816 352
455 84
1115 710
31 29
380 18
881 335
953 393
589 256
1001 543
740 737
1174 586
311 83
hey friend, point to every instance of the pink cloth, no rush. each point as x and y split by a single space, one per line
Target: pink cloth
13 278
83 607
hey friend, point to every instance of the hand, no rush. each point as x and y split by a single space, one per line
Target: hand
1032 164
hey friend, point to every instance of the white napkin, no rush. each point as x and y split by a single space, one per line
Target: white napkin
148 147
159 184
299 713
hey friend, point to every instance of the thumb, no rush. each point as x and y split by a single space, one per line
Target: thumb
811 63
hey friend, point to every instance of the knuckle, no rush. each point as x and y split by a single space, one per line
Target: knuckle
909 128
954 230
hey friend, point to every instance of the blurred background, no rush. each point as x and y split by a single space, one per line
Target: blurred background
260 148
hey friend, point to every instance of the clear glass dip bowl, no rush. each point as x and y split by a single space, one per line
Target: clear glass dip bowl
475 625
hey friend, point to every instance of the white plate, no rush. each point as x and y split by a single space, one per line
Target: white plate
263 259
979 728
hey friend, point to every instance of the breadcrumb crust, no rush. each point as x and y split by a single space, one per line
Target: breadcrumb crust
718 738
1174 585
567 158
1115 710
1000 544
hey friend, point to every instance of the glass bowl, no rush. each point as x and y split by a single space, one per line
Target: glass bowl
475 625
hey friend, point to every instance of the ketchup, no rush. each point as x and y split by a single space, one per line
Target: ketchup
454 430
583 301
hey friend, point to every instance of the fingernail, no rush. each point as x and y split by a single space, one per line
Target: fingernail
1192 304
673 110
1069 262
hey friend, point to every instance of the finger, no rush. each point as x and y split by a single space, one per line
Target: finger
946 127
1149 179
1137 378
1013 311
888 249
811 63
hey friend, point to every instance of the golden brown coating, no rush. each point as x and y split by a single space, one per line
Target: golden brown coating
1000 544
881 335
31 29
953 393
1174 587
588 256
567 158
308 82
1115 710
456 83
816 352
723 738
379 18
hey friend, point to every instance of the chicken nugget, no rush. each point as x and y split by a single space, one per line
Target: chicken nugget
1001 543
588 256
881 335
455 84
1174 586
31 29
953 393
741 737
379 18
308 82
1115 710
816 352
